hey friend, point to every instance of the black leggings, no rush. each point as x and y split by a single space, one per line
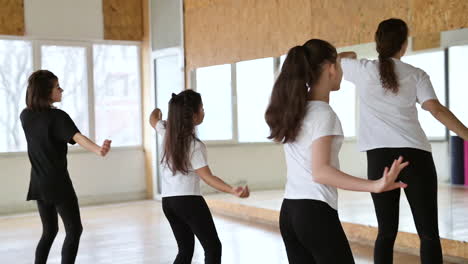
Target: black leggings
421 192
189 216
312 233
70 213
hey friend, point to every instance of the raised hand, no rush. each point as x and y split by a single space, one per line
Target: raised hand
387 182
106 146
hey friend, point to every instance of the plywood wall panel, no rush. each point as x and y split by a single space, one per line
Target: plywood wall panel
12 17
216 39
430 16
294 23
221 31
123 19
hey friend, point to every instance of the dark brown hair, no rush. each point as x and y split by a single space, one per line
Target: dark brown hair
390 37
180 130
300 72
40 85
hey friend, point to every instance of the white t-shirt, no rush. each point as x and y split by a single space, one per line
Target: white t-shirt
183 184
389 120
319 121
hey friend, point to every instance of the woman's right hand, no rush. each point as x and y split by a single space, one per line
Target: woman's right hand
388 180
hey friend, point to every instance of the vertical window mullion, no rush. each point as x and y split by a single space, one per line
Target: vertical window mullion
234 105
91 100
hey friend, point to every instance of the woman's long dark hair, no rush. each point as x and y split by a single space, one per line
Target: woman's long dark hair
180 130
300 72
40 85
390 37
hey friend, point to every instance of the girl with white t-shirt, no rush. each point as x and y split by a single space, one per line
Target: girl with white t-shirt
388 127
300 117
184 162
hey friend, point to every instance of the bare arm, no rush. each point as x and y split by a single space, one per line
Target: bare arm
91 146
446 117
347 55
324 173
220 185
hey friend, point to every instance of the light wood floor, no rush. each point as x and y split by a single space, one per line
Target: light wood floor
138 232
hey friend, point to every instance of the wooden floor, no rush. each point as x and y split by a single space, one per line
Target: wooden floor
357 208
138 232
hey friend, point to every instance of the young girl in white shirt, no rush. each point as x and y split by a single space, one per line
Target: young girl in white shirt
389 127
184 162
300 117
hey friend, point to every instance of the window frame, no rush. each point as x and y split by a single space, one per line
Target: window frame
37 43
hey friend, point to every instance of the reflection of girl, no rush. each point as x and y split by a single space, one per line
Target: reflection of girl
389 90
48 130
184 163
300 117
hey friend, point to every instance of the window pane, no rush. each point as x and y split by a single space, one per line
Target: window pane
16 66
344 104
214 84
169 79
69 64
254 85
433 63
458 76
117 93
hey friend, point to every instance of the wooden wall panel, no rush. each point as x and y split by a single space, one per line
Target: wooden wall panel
12 17
289 13
222 31
427 41
123 19
438 15
215 40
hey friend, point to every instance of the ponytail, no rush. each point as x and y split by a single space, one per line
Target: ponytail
299 73
180 130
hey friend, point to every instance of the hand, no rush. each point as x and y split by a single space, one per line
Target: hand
387 182
241 192
106 146
155 116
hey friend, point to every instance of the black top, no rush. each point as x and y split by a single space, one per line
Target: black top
47 133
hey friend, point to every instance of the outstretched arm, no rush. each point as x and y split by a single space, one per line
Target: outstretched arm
347 55
446 117
91 146
324 173
220 185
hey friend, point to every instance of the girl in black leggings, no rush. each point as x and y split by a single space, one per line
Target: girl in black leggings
389 90
48 130
184 162
300 117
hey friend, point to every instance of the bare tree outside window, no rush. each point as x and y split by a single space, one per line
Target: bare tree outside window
15 68
117 92
70 66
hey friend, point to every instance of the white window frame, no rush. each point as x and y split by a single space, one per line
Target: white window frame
37 43
235 127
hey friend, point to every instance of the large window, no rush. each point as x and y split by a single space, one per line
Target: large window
214 84
343 103
70 66
433 63
15 67
117 94
112 76
458 82
254 85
